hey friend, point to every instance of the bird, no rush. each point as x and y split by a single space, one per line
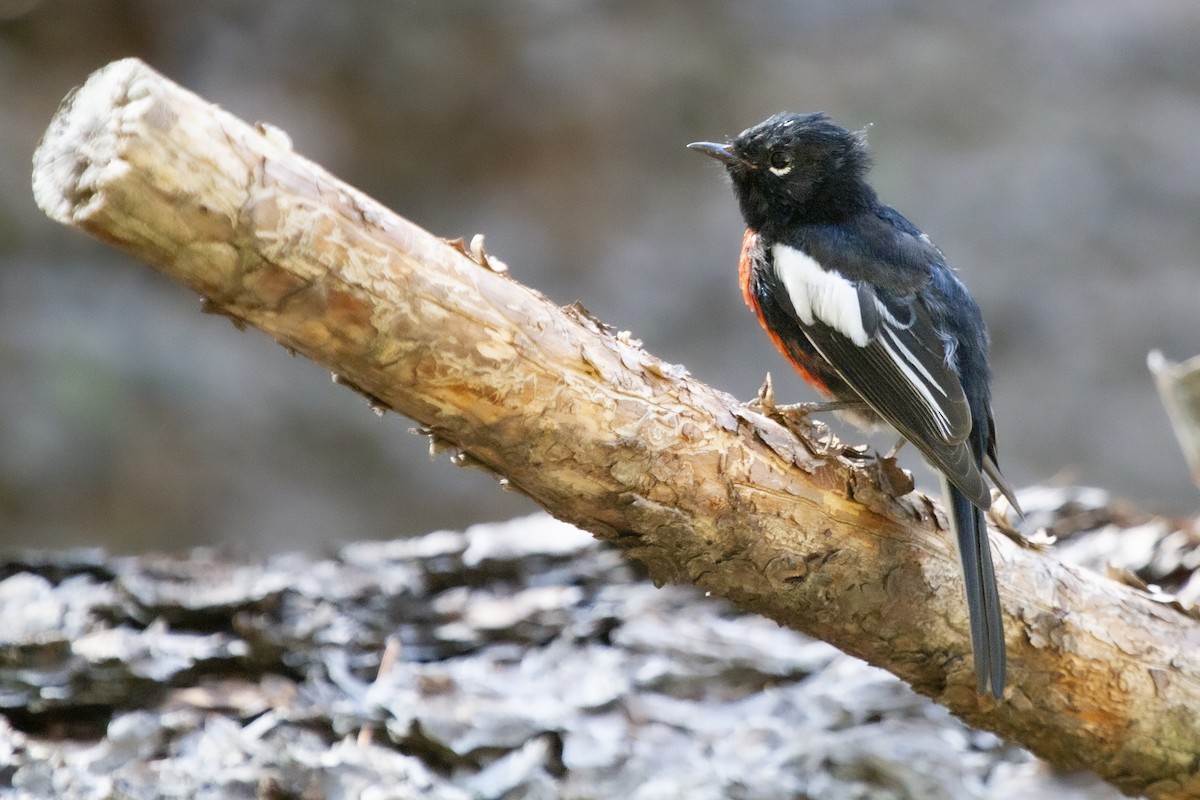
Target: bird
866 308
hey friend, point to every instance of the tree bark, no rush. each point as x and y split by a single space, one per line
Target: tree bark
686 479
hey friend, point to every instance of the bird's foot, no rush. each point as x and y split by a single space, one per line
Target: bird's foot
892 478
793 416
764 401
890 455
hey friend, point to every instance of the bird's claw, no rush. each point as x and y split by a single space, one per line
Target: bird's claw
764 401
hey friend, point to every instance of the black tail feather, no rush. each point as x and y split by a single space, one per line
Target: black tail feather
983 599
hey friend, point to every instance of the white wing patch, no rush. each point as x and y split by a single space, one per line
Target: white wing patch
820 294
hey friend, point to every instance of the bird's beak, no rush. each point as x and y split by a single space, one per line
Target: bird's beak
721 152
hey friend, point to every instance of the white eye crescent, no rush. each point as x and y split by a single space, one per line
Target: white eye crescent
780 163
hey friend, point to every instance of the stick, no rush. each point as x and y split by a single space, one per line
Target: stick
1179 387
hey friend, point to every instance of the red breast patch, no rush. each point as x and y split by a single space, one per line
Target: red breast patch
796 352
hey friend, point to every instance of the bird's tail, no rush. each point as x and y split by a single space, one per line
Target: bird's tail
983 599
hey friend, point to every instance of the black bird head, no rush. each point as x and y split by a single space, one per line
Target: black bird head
793 168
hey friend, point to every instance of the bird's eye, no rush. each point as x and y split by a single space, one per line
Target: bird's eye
781 162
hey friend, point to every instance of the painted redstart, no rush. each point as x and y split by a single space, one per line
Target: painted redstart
863 304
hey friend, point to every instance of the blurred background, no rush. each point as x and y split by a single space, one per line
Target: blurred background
1051 149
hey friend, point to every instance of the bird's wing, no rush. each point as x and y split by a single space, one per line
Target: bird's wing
877 333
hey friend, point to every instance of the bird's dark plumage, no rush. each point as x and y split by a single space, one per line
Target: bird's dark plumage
866 307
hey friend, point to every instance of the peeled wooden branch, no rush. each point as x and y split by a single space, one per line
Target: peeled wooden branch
607 437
